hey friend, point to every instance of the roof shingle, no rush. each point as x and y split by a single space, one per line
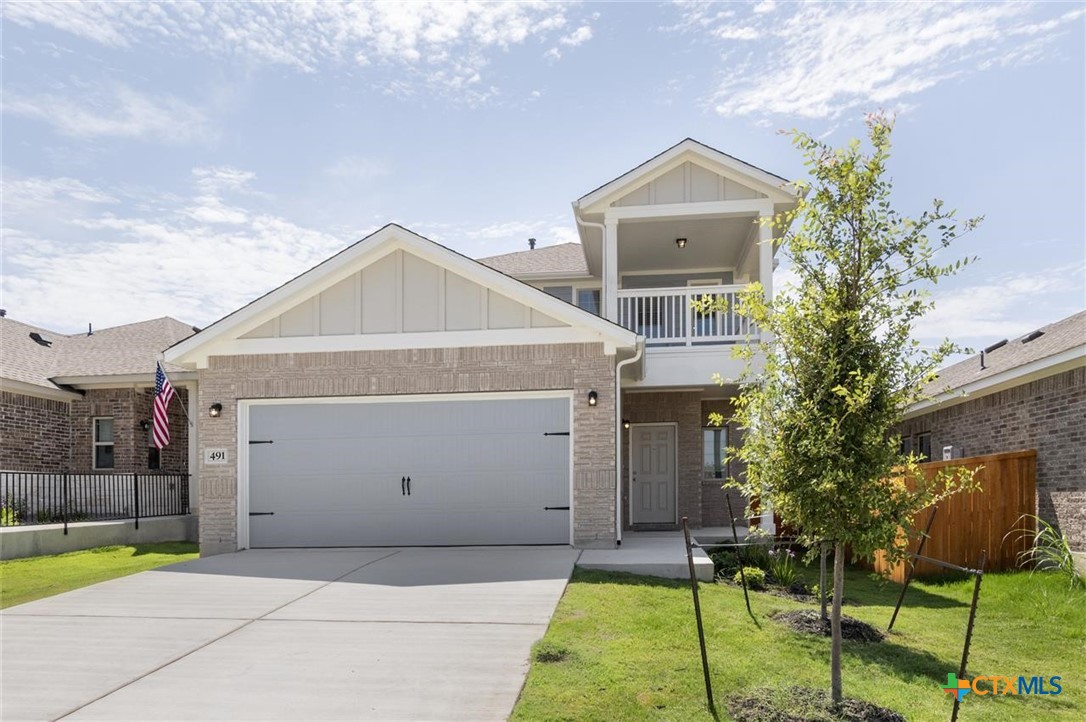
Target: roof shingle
564 259
116 351
1056 338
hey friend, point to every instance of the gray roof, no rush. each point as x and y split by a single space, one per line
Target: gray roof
1056 338
564 259
117 351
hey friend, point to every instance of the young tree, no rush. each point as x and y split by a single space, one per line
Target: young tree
827 386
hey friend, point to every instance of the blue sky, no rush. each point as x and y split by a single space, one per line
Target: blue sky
183 159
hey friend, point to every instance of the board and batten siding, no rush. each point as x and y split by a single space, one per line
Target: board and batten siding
576 367
402 293
688 183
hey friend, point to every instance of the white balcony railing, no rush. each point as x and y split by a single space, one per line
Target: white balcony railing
666 316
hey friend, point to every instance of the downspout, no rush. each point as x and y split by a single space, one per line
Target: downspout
618 372
618 435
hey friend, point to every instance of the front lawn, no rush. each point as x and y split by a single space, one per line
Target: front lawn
24 580
625 647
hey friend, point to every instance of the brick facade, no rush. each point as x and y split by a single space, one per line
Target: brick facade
34 433
128 408
701 500
44 435
1048 415
580 367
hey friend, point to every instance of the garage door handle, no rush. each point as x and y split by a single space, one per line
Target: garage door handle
409 486
556 508
403 486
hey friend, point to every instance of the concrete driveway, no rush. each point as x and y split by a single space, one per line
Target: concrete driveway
389 634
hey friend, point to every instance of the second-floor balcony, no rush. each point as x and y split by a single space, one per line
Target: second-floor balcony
668 317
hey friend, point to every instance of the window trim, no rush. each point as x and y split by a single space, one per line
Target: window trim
918 449
725 428
95 443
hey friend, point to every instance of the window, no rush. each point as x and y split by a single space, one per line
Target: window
714 447
589 300
103 443
923 445
564 293
906 445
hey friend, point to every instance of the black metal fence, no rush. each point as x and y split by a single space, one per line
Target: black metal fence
61 498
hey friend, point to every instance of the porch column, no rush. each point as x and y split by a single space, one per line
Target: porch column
610 270
765 253
765 275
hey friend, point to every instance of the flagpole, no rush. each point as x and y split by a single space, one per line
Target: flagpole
178 396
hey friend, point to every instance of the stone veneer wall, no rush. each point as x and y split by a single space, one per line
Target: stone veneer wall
580 367
34 433
1048 415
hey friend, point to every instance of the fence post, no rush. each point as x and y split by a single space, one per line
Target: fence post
65 503
136 488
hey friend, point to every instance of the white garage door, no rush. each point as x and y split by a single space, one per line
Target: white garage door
430 472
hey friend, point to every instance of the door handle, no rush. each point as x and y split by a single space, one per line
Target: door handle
409 486
403 486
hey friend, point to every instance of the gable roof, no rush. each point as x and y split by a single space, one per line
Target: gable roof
196 349
1060 345
128 350
561 260
768 182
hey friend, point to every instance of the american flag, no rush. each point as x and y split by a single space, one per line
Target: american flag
160 431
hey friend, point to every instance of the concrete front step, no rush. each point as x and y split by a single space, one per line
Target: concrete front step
654 554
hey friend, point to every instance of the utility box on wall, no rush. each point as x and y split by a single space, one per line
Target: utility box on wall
952 452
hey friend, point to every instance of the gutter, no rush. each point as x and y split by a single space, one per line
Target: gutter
618 434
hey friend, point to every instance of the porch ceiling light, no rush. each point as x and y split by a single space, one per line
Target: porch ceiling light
593 398
215 410
680 242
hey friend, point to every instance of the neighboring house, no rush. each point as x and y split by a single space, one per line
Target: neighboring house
400 393
1025 393
82 402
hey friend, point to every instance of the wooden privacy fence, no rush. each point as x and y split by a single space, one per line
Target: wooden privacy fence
970 521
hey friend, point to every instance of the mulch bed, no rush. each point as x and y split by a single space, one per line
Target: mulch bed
810 621
803 704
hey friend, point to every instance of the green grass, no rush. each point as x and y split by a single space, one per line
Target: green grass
622 647
24 580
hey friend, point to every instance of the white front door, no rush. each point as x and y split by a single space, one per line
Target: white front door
652 470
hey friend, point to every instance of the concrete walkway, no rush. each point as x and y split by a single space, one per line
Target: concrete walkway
658 554
439 634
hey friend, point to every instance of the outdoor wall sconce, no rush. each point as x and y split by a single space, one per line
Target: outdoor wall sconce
593 398
680 242
215 410
625 423
145 425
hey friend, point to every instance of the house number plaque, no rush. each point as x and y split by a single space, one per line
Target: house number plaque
215 456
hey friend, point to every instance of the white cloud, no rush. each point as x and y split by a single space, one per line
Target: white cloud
119 111
580 36
445 45
820 60
24 194
1004 306
195 258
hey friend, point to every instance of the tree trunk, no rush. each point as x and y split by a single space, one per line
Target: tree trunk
823 593
835 621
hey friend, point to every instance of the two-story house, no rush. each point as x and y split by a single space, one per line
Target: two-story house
403 394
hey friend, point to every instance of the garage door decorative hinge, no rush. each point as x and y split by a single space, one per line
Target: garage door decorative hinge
556 508
251 441
262 513
553 433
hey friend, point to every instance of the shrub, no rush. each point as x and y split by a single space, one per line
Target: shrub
782 566
725 563
1049 549
755 578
